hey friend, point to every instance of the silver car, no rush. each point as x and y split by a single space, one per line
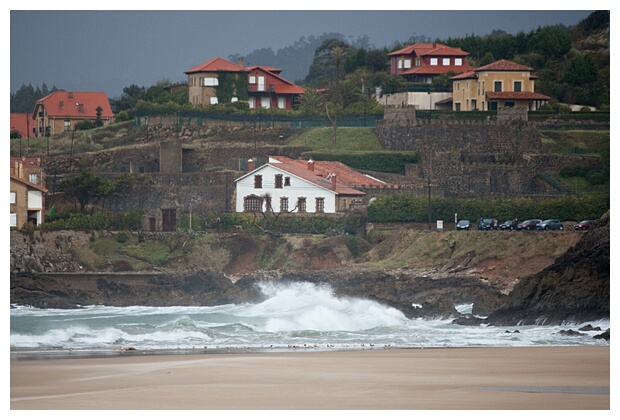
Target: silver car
550 224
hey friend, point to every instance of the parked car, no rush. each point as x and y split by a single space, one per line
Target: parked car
462 225
529 224
509 225
584 225
487 224
550 224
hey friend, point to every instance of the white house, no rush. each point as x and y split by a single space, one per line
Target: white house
287 185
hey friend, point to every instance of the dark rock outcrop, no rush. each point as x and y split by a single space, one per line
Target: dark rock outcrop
573 289
415 295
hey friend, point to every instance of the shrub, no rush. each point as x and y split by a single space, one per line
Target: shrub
122 237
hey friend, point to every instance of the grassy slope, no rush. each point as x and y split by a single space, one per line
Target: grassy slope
347 139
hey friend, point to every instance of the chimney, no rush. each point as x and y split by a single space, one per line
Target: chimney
250 165
333 179
240 61
311 165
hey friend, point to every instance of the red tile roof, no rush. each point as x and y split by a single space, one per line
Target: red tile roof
270 69
26 162
76 104
22 123
504 65
433 48
517 96
467 75
215 65
345 175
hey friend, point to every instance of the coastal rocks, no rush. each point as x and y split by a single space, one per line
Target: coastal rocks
416 295
573 289
199 288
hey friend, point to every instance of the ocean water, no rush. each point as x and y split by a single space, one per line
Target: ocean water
294 316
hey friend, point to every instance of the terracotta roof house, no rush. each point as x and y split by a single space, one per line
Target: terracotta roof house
421 62
218 80
26 202
496 85
297 186
22 123
29 168
61 111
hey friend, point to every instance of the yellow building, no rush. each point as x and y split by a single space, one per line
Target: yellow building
496 85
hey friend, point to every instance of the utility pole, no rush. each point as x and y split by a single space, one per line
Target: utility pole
430 169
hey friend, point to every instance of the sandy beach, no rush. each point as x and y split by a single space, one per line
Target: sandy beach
532 378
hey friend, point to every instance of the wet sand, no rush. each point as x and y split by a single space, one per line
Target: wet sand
532 378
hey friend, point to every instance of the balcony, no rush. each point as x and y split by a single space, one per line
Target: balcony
262 88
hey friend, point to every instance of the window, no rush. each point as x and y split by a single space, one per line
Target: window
252 80
13 220
400 63
287 181
33 178
418 62
234 99
258 181
67 125
446 62
517 86
13 197
283 203
213 100
281 102
278 181
497 86
253 203
457 106
301 204
433 61
210 81
261 83
407 63
320 205
509 104
251 103
482 93
264 102
458 61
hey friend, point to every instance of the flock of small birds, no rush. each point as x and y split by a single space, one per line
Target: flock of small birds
228 349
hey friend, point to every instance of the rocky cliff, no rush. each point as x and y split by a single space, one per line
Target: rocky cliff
423 274
574 288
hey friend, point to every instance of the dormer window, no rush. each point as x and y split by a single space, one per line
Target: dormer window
433 61
252 80
446 61
458 61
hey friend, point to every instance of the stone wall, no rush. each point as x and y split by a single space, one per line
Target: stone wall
502 157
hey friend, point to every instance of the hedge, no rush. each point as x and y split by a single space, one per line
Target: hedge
415 209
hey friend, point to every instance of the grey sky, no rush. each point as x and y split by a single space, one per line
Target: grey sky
109 50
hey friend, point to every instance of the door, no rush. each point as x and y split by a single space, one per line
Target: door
168 220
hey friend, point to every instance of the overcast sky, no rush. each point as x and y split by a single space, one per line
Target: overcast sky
109 50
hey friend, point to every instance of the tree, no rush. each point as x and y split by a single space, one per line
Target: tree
550 41
88 188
